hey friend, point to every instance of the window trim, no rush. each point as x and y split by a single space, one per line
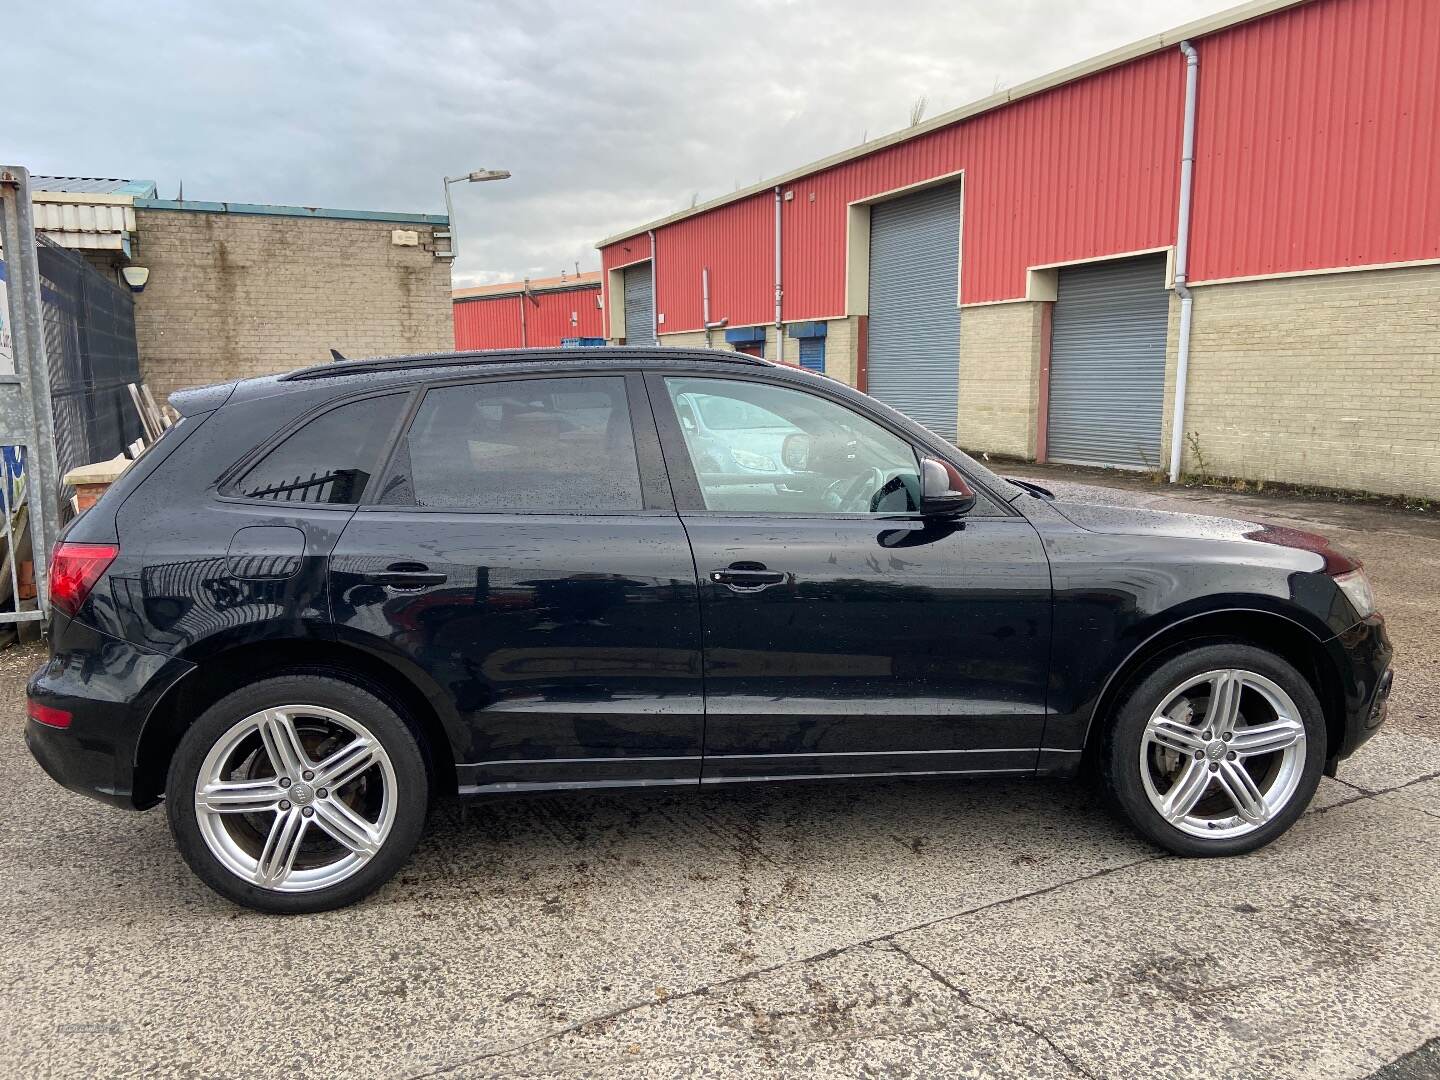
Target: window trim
226 489
655 494
690 500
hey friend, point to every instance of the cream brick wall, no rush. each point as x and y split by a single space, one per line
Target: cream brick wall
695 339
1331 380
1000 349
234 295
842 336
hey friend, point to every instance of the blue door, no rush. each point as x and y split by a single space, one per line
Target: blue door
812 353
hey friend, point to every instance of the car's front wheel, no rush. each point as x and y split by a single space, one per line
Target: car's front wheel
299 793
1216 751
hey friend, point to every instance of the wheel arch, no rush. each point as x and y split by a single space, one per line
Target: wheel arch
221 671
1286 637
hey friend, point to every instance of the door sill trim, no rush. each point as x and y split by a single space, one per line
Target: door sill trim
902 774
523 787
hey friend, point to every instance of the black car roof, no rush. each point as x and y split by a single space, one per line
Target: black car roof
599 356
345 376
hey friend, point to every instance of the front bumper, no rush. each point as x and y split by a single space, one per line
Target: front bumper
1364 658
110 687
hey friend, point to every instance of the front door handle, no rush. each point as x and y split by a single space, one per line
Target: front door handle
746 580
404 577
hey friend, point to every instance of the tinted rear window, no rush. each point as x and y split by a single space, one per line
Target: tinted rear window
557 444
331 458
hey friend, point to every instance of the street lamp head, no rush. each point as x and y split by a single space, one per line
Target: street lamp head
476 177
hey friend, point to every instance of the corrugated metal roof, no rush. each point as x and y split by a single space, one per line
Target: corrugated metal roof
588 280
94 185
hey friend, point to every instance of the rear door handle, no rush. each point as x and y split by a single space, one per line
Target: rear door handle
404 577
746 581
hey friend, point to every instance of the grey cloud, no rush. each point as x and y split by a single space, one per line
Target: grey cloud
608 114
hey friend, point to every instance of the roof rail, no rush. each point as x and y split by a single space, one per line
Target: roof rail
338 368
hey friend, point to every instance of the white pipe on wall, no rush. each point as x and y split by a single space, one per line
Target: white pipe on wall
779 291
1182 259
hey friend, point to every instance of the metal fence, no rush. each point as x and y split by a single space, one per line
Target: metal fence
89 325
65 324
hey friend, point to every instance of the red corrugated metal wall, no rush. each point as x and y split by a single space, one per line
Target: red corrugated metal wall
1318 140
737 243
493 322
1317 147
1077 172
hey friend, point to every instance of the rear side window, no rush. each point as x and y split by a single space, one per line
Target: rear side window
330 459
558 444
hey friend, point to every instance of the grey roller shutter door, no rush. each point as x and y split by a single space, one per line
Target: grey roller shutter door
914 340
639 305
1107 364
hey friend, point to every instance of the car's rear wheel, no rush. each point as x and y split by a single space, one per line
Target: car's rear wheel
299 793
1216 751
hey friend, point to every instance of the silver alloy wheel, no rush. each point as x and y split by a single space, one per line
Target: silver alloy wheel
295 798
1223 753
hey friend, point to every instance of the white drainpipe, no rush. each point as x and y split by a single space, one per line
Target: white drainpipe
779 292
710 324
654 289
1182 259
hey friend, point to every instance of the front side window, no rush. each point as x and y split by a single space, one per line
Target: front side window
330 459
557 444
763 448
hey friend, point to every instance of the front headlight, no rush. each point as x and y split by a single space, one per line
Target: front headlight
758 462
1356 587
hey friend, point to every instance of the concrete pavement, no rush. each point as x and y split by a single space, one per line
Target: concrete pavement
910 929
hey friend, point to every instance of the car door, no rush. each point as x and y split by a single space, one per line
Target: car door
844 633
523 558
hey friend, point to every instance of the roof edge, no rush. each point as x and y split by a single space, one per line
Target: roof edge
1221 20
267 210
83 198
491 292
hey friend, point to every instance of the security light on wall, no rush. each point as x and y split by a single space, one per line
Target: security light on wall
136 277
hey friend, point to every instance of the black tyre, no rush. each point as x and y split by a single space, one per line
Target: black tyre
300 793
1215 751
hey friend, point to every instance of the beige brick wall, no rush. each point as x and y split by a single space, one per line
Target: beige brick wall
1331 380
233 295
841 339
695 339
1000 349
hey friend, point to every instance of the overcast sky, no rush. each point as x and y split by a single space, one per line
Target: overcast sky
608 114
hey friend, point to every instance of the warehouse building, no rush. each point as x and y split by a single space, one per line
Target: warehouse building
539 313
1030 275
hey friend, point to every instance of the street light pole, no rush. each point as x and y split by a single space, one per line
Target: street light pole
479 176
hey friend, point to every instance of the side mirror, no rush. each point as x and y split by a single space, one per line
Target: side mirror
943 491
795 452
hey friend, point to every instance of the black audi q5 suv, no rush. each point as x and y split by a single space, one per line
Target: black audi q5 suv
324 598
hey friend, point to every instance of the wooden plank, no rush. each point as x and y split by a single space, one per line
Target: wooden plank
150 433
161 421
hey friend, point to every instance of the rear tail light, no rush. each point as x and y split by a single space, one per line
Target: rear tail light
74 570
47 714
